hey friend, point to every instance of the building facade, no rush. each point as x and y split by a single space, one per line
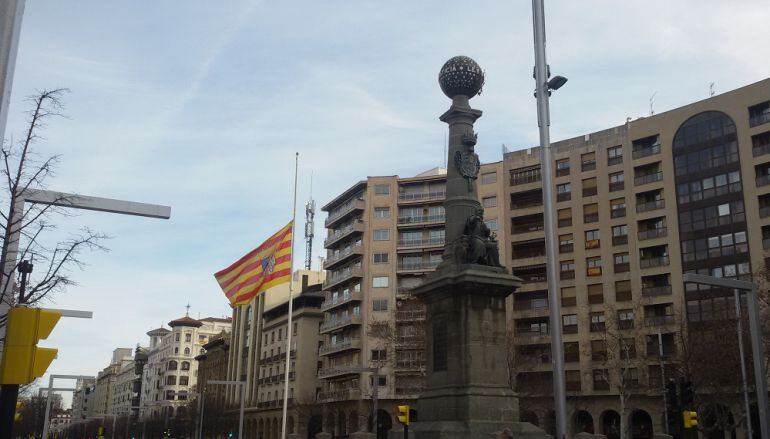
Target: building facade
638 205
80 399
106 381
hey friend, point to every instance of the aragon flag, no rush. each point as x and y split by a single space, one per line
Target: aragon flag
266 266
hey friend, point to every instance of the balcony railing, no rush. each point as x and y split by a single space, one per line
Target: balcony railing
344 254
565 248
589 191
569 274
759 119
528 177
561 172
658 290
617 186
339 395
427 242
764 211
410 364
422 196
340 322
341 299
656 261
650 205
417 266
351 343
412 315
646 151
760 150
766 243
409 391
620 240
648 178
337 370
355 226
404 220
618 213
657 232
588 165
763 180
564 196
346 274
357 204
658 320
590 218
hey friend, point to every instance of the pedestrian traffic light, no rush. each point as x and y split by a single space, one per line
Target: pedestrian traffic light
403 414
23 361
690 419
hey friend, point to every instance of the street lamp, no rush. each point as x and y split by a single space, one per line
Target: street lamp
543 89
760 377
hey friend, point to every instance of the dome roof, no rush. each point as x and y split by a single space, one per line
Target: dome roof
185 321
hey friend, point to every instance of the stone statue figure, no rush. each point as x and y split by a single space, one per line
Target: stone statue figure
482 243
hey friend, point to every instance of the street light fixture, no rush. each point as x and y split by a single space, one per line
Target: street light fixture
760 375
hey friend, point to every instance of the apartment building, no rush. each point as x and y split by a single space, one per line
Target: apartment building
106 379
638 205
257 355
127 387
383 235
80 399
170 374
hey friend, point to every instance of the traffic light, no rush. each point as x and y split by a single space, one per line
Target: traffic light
230 434
690 419
23 361
403 414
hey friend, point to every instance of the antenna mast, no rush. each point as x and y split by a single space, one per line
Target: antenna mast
309 227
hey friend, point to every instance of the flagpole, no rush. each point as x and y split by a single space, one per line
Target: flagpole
291 308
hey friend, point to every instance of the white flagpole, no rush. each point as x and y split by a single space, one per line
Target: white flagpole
291 308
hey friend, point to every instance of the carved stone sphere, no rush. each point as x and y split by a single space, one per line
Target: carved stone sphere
461 76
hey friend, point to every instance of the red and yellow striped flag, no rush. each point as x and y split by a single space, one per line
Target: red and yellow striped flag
266 266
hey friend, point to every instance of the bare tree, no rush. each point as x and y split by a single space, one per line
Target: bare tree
28 225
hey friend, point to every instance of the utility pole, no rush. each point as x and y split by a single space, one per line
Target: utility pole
542 92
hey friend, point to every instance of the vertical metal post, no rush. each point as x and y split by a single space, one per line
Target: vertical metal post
243 398
406 431
760 375
549 203
291 309
662 380
200 413
47 417
743 362
112 432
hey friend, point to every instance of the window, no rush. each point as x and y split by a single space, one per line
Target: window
380 305
187 352
563 192
491 224
618 208
567 269
594 266
614 155
621 262
568 297
565 217
566 243
572 378
380 282
616 181
184 380
380 258
628 347
598 350
177 337
623 290
625 319
185 365
620 234
489 201
562 167
595 294
571 352
379 354
172 365
592 239
382 235
381 189
597 321
589 187
489 178
588 161
188 338
526 175
280 334
171 380
590 213
569 323
382 212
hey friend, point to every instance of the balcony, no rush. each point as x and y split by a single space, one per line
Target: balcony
339 395
410 365
408 392
331 303
411 267
356 205
648 178
350 229
331 325
339 370
657 290
762 149
647 206
418 243
413 315
343 256
646 151
653 233
763 180
421 197
758 117
525 176
406 221
659 320
655 261
346 275
341 346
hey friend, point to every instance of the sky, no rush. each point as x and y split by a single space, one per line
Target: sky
201 106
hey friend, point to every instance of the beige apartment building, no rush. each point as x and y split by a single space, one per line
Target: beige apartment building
638 205
383 235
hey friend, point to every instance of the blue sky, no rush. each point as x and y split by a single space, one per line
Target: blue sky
201 106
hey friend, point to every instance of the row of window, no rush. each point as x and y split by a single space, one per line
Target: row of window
486 178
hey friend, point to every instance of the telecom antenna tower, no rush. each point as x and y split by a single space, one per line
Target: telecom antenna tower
309 227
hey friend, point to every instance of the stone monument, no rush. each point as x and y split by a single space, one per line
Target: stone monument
467 384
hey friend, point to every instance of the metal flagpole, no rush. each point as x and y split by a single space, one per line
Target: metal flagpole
291 286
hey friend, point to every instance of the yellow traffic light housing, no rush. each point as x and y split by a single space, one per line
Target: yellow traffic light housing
690 419
23 361
403 414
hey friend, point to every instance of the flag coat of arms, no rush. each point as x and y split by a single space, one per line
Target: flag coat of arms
264 267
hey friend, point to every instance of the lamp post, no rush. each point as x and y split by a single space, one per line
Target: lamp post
760 375
542 92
